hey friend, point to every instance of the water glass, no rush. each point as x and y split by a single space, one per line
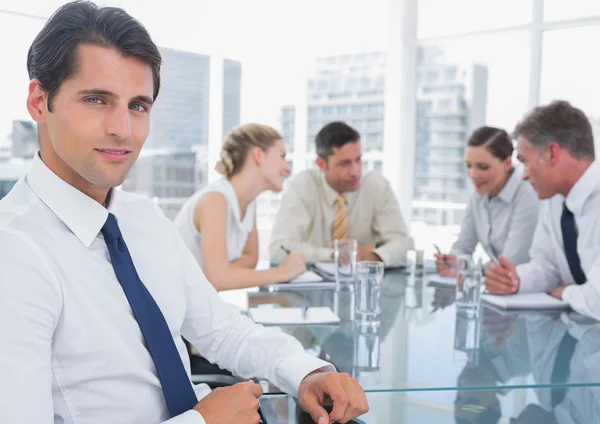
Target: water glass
469 282
344 258
368 291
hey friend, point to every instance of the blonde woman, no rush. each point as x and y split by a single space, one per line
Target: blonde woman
218 224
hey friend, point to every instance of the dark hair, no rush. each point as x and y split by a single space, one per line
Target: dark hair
52 57
334 134
495 140
562 123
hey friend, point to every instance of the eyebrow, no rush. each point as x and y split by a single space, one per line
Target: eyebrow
106 93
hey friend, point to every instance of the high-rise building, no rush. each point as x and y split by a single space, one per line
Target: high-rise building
451 102
180 117
24 139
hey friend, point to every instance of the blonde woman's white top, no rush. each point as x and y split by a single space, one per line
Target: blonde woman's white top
237 231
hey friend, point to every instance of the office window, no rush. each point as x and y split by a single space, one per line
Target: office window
443 17
570 75
555 10
492 91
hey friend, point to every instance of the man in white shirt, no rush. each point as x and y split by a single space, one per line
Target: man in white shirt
96 286
336 201
556 145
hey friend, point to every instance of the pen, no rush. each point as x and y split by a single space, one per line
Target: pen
304 312
440 253
285 250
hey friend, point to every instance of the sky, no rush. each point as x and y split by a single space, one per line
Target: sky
277 42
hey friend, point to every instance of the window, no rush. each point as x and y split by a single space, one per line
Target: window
493 88
471 15
570 75
560 10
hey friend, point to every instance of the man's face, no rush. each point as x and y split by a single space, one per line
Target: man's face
343 168
99 120
538 168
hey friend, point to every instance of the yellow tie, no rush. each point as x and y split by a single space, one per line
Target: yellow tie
340 222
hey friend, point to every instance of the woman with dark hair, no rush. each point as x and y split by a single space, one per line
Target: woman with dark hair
502 213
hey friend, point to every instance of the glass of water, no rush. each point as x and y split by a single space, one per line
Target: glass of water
369 276
344 258
469 282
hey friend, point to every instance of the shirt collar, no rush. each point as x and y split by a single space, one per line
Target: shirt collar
509 191
331 195
583 188
80 213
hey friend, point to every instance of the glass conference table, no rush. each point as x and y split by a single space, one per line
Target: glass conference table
424 345
580 405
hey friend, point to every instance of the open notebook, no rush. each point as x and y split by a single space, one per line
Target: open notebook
525 301
293 316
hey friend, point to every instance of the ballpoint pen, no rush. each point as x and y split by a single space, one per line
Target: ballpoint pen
446 261
304 312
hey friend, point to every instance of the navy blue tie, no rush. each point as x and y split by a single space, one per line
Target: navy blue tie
175 382
569 233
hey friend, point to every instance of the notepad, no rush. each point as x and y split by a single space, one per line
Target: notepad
524 301
293 316
438 280
326 267
307 277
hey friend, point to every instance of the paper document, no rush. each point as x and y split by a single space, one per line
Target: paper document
307 277
326 267
525 301
293 316
438 280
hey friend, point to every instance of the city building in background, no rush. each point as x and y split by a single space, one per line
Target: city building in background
24 139
451 102
181 114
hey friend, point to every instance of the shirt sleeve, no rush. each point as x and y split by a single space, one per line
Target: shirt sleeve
291 224
226 337
390 230
30 305
585 298
540 274
467 237
522 228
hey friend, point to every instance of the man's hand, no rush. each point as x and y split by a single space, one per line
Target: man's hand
237 404
558 291
502 279
364 253
442 261
349 400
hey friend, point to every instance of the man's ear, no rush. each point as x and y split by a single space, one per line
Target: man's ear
37 102
322 164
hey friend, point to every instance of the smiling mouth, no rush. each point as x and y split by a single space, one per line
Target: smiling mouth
114 152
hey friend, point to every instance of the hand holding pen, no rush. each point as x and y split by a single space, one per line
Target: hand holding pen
444 263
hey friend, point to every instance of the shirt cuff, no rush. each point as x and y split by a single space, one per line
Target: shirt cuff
188 417
292 370
385 256
568 293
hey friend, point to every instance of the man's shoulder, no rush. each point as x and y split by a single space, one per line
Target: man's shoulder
374 182
308 177
18 203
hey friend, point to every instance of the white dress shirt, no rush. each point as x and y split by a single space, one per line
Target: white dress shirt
308 207
237 229
504 225
548 267
71 350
